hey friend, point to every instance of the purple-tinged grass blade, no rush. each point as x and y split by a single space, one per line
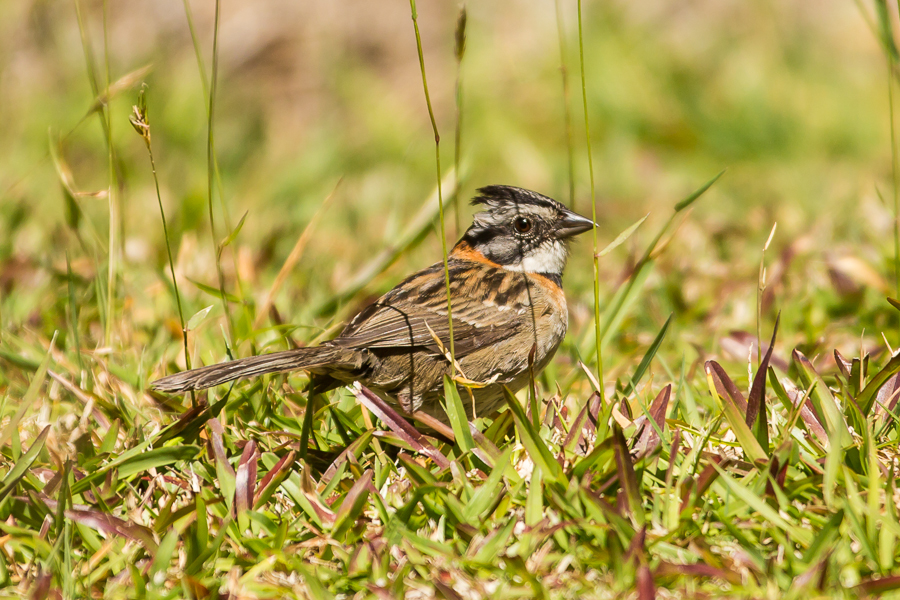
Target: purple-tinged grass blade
790 396
736 420
576 432
646 588
353 504
42 587
648 436
351 452
869 393
484 449
627 477
188 423
399 425
245 479
757 418
843 364
637 546
111 525
218 446
876 587
447 592
583 427
379 592
706 479
888 394
310 502
725 386
224 471
823 401
273 479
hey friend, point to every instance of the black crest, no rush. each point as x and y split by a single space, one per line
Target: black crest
506 195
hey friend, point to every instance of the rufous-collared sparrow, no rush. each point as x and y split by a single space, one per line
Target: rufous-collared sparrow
506 301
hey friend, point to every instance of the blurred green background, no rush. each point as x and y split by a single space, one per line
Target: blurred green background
791 97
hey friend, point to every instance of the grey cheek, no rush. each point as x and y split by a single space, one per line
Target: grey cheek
504 251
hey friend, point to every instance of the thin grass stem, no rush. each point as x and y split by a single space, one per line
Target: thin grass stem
590 157
90 65
218 174
567 112
760 290
141 123
211 171
115 225
197 50
895 173
437 161
460 53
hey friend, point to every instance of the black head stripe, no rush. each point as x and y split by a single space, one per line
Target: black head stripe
509 195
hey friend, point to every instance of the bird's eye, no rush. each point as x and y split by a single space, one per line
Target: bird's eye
522 224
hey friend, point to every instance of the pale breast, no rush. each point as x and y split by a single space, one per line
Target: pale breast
543 319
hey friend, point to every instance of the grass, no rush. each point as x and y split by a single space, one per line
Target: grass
744 440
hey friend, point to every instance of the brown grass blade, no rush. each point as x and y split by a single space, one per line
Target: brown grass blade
627 477
274 477
726 387
756 409
399 425
647 437
218 446
111 525
245 479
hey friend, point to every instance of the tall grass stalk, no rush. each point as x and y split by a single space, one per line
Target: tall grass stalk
590 157
567 112
90 66
115 224
189 15
895 172
460 53
211 171
140 120
198 53
884 31
760 290
437 162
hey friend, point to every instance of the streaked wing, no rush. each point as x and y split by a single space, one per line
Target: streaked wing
486 309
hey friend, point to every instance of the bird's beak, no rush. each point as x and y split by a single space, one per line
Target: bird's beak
572 224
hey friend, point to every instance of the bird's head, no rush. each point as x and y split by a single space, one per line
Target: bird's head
522 230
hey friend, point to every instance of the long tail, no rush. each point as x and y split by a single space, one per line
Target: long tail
277 362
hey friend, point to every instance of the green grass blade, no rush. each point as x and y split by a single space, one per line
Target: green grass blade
457 415
537 449
823 401
486 494
30 396
648 357
22 465
738 424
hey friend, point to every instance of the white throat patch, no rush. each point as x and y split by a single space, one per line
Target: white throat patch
546 258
